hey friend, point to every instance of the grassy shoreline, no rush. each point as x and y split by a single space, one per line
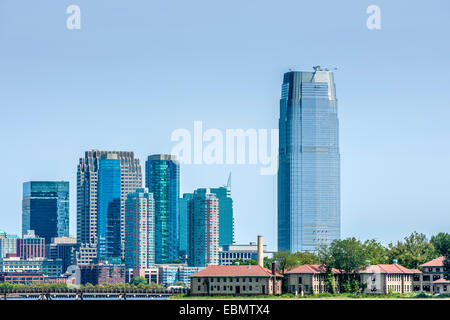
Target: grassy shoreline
324 296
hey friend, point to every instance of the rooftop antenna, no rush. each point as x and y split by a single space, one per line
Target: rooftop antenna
317 68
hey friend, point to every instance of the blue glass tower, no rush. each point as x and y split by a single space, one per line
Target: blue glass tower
108 214
45 209
162 175
309 162
184 225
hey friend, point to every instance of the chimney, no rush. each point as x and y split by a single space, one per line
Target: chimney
260 252
274 277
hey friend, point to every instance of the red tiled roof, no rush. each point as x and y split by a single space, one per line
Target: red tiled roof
442 280
388 268
310 268
235 271
438 262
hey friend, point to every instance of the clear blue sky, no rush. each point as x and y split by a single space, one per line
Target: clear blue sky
137 70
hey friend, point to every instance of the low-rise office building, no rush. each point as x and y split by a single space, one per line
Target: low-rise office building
48 267
309 278
170 274
236 280
28 277
101 273
245 252
150 274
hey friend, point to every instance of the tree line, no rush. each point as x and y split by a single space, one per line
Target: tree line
351 255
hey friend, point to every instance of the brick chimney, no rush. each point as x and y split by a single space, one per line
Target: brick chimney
260 252
274 277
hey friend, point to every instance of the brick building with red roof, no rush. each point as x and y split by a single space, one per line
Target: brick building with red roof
441 286
309 278
386 278
431 271
236 280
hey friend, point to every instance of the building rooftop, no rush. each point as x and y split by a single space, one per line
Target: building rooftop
235 271
388 268
442 280
438 262
310 268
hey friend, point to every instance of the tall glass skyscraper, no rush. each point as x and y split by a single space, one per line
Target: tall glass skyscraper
309 162
87 201
162 175
108 216
45 209
184 226
203 222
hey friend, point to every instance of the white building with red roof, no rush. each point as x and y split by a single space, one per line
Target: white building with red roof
441 286
431 271
309 278
386 278
236 280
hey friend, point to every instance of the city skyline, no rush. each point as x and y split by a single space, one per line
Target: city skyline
103 87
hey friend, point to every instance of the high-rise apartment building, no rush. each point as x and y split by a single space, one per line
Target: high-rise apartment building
309 162
87 179
140 230
203 221
226 219
108 207
45 208
163 181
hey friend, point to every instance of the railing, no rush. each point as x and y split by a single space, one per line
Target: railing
47 293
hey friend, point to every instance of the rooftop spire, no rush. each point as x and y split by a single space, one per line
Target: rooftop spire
229 181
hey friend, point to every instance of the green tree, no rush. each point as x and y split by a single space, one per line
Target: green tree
267 262
413 251
441 243
244 262
286 260
139 280
330 280
349 257
375 252
301 258
447 267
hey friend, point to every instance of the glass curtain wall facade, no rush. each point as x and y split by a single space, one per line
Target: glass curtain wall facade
87 181
184 232
45 208
140 230
163 181
108 216
309 162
